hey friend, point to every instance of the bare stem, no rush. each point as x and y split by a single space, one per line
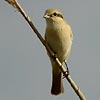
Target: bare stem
77 90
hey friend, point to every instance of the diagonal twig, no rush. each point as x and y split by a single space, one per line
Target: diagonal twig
77 90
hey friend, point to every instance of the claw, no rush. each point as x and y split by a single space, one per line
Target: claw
66 72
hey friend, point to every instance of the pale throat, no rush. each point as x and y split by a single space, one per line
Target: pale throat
54 24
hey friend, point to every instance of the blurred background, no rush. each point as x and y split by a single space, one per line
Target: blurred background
25 70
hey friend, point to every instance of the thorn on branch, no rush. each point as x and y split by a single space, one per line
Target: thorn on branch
12 2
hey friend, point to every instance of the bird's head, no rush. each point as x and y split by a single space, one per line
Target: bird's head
53 16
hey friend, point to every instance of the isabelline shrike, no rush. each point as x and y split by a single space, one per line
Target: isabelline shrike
58 36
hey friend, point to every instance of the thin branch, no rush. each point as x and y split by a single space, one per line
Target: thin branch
77 90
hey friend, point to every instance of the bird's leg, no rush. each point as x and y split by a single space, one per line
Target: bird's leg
67 71
67 67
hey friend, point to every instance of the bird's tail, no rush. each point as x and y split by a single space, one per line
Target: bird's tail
57 86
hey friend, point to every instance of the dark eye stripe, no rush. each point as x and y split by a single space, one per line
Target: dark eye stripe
55 14
59 15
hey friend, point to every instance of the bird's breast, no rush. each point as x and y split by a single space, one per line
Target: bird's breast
59 40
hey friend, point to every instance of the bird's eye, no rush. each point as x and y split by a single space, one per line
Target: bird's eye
55 14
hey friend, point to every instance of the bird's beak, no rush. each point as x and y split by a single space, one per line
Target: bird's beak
46 16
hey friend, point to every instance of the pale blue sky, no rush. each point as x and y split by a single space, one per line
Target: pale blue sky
25 70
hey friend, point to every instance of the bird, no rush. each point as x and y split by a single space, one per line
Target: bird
58 36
